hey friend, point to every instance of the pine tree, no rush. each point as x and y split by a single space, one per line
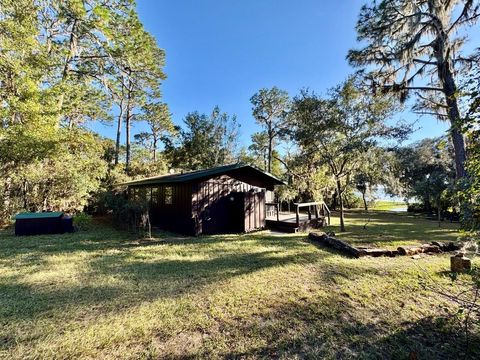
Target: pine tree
269 110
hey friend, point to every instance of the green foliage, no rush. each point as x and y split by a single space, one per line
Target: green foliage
469 193
82 221
340 130
142 164
308 181
205 141
416 207
426 173
62 65
62 181
270 108
158 118
352 200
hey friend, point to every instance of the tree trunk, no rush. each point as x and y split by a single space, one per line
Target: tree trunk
455 121
364 201
72 49
7 189
127 141
154 148
119 132
127 128
25 195
340 201
334 200
445 75
269 158
428 205
439 213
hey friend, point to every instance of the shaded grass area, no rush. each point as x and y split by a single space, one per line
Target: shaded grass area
104 294
390 229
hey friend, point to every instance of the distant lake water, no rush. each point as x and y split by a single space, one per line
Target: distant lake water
399 209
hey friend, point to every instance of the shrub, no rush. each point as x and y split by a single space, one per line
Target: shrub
415 208
82 221
352 200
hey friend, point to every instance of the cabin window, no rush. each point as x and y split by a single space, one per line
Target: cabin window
141 194
155 195
168 195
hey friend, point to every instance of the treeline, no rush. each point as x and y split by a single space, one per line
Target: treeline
64 64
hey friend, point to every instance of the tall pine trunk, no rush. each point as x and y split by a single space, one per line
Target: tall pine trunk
269 158
72 49
155 140
128 124
119 132
127 141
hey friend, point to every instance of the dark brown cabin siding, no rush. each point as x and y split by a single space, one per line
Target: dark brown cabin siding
254 210
175 216
219 205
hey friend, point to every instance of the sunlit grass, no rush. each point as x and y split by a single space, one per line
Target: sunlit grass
390 230
384 205
104 294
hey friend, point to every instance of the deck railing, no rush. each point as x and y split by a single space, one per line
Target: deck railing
325 211
276 209
319 208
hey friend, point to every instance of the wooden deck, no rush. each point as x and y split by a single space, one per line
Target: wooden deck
296 221
288 222
287 217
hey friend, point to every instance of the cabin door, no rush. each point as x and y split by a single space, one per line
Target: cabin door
225 215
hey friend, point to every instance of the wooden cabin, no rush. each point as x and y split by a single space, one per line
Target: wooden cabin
224 199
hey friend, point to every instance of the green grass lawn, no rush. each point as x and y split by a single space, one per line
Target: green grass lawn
390 230
104 294
388 205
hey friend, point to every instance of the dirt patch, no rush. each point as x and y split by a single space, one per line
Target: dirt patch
181 345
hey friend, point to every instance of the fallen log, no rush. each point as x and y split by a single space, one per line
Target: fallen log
446 247
409 250
375 252
412 250
330 240
429 248
334 243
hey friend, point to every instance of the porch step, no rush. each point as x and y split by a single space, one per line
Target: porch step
291 227
281 226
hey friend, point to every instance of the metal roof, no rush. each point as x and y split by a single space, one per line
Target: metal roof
199 175
41 215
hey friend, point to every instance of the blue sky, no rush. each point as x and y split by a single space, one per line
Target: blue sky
220 52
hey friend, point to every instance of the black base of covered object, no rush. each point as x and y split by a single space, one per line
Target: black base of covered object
67 224
57 223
